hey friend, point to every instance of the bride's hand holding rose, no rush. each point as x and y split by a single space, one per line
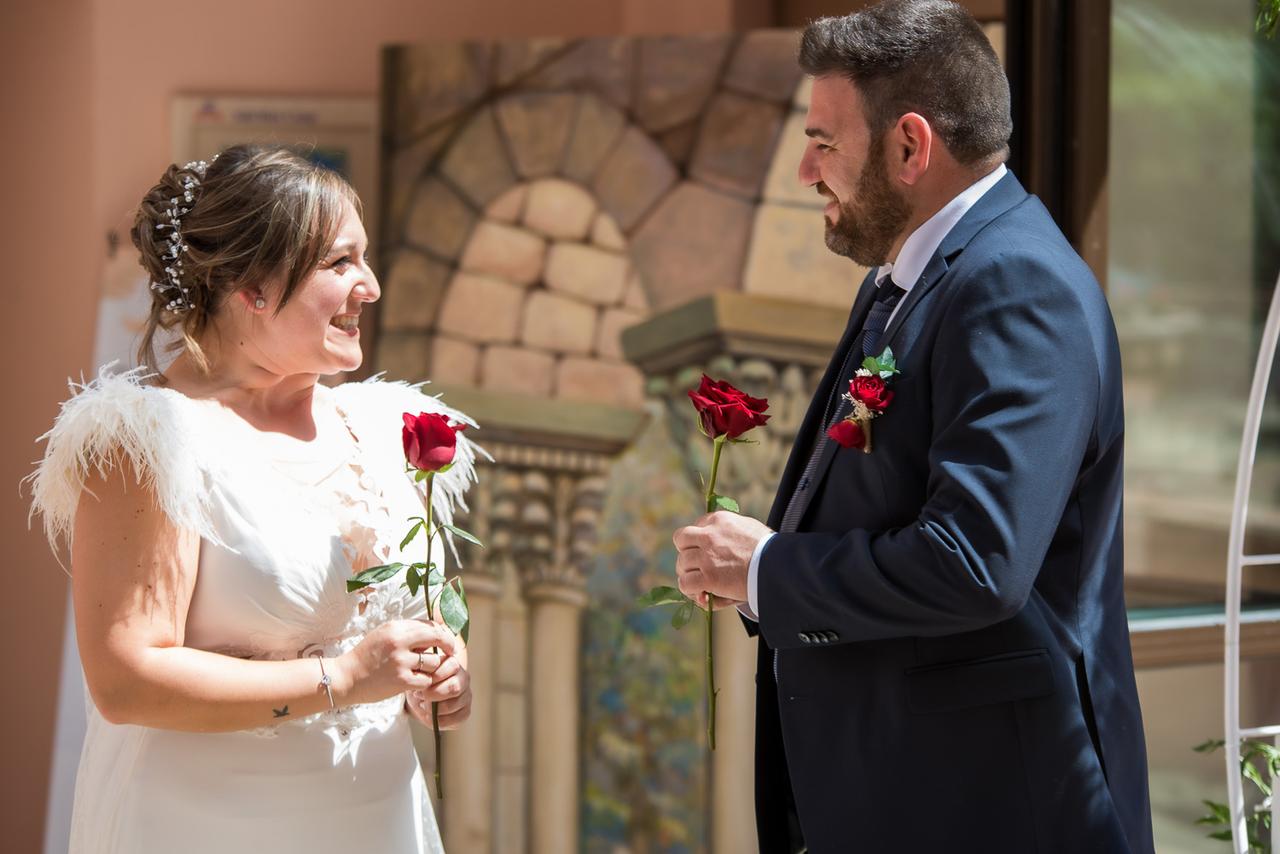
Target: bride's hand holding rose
386 662
450 687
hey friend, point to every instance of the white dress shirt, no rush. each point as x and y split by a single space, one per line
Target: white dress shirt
905 271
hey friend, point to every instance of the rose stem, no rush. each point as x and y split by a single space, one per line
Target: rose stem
709 610
426 591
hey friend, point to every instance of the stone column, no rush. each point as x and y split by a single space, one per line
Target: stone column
467 820
551 460
771 348
559 516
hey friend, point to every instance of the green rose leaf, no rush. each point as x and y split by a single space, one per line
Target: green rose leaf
408 538
884 365
466 535
412 580
420 476
462 594
435 576
661 595
372 575
683 615
453 610
724 502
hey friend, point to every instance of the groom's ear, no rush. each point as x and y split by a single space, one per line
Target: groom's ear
910 148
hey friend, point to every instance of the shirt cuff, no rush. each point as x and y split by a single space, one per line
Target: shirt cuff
751 608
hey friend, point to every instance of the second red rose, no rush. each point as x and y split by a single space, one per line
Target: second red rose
726 411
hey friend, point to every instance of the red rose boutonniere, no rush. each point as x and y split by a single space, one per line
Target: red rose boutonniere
870 394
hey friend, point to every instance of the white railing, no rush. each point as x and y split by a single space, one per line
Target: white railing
1237 560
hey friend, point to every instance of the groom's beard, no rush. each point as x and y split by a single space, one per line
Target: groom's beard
870 222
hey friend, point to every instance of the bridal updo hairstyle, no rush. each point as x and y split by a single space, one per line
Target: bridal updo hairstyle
262 217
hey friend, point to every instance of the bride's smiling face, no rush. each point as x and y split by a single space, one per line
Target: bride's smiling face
317 331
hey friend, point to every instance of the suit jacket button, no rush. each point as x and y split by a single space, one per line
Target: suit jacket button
832 636
805 637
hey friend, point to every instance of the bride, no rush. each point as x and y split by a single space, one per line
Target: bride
241 698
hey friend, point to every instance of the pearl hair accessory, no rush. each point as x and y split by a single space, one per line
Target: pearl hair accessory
180 299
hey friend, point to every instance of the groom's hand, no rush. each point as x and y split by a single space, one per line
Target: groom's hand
714 554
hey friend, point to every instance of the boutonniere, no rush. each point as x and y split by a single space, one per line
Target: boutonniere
870 394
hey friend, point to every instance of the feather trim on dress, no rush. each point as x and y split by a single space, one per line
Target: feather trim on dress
373 407
111 420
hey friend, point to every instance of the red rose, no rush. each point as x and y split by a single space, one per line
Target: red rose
430 441
871 392
848 433
726 411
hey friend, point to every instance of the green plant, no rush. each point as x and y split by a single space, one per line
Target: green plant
1268 17
1260 765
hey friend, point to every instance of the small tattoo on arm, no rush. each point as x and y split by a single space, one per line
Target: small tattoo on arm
281 713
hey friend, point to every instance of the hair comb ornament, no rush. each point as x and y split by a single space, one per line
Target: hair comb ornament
178 293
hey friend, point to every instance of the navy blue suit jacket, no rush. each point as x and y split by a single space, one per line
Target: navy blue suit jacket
954 671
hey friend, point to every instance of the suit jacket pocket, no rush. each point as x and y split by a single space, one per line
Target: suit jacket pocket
1022 675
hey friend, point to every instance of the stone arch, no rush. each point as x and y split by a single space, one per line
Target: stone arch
672 143
513 250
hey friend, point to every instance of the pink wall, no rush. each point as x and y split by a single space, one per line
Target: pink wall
318 47
51 246
86 101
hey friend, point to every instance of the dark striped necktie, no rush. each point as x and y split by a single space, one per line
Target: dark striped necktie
887 297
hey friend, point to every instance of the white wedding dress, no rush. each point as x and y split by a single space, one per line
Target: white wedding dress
283 525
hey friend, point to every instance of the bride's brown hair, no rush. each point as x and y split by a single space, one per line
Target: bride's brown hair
261 217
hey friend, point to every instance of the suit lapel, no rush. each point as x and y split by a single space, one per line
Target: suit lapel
1006 193
802 444
931 276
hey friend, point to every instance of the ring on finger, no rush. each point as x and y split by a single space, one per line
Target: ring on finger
420 668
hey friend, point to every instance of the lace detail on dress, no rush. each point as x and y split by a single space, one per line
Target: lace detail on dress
370 536
372 411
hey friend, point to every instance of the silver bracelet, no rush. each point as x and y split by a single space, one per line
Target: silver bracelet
325 681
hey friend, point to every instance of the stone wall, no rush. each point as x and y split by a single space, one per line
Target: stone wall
542 196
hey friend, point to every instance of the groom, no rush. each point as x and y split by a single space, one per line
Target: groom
944 659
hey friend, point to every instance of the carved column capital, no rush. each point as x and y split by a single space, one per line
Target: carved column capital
768 347
556 534
546 485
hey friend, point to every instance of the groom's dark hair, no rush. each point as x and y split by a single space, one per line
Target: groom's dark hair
919 56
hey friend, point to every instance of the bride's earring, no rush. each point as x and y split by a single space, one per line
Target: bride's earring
259 303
